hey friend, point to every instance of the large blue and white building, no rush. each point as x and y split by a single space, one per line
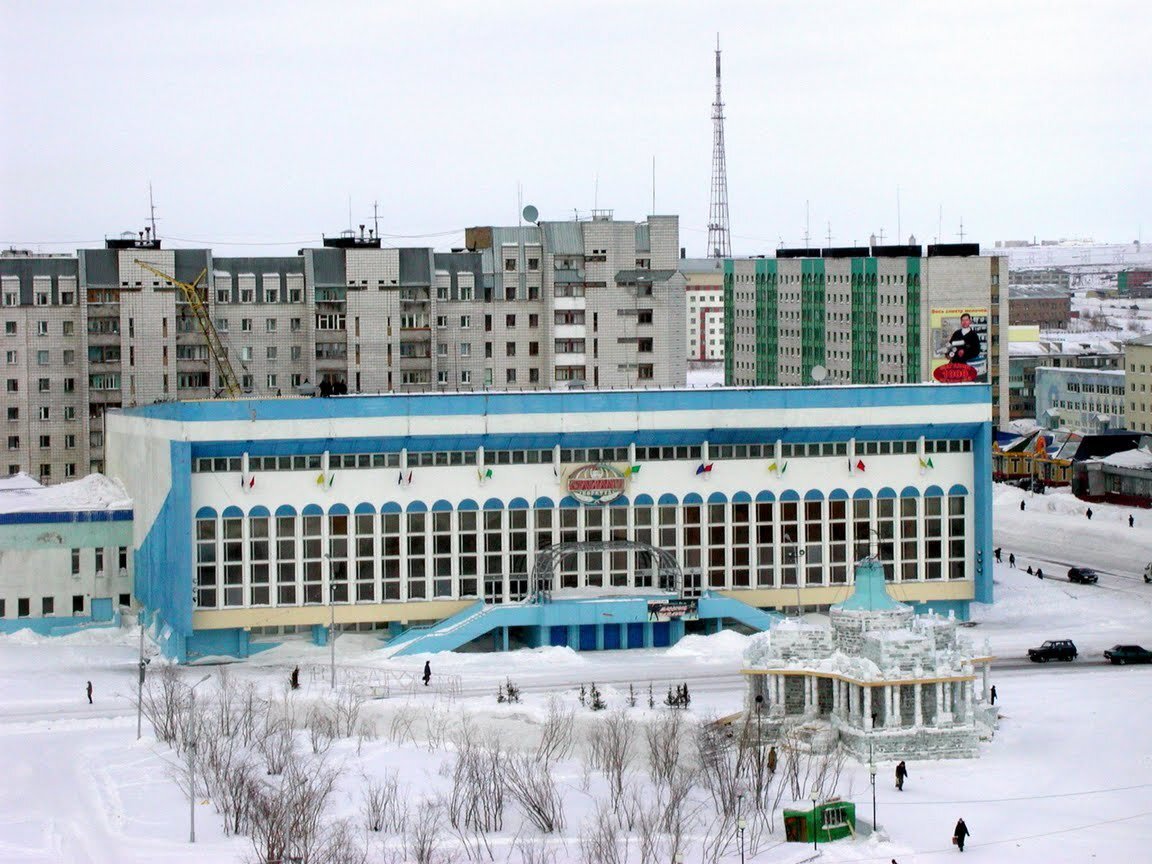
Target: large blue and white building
252 517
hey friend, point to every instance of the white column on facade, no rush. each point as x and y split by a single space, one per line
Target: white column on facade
835 697
853 706
868 708
892 709
984 677
918 696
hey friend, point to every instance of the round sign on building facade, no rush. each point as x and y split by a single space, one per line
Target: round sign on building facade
596 483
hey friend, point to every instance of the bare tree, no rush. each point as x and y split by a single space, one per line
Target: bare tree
556 734
531 785
163 702
476 798
604 841
611 749
321 728
403 724
341 844
383 805
724 757
346 713
423 835
276 744
665 740
534 850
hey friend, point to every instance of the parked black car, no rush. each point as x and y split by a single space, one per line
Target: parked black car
1053 649
1121 654
1083 575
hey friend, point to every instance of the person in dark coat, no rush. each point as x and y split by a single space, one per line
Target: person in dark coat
294 680
996 552
772 760
1039 573
1131 521
965 342
1029 569
901 775
1088 513
1012 560
992 693
427 672
88 690
1021 506
959 834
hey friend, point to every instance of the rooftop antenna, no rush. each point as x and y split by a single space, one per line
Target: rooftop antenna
595 192
940 225
807 233
653 184
719 238
961 229
152 211
376 218
829 233
899 233
349 212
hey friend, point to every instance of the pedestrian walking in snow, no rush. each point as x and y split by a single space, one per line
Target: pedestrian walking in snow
427 672
996 552
993 694
1131 521
89 691
1021 506
901 775
1088 513
772 760
1012 560
294 679
1029 569
959 834
1039 573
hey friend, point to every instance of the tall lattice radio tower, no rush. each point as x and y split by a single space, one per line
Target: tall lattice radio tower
719 240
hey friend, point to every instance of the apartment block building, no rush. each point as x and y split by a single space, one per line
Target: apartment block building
1087 401
1138 383
704 288
865 315
554 304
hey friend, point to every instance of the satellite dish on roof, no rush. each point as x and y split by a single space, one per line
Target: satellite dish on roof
531 214
818 373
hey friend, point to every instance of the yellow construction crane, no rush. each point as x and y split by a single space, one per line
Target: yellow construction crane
228 380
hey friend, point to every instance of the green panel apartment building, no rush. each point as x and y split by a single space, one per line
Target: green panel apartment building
864 315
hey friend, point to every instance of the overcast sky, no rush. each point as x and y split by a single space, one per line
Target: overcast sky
256 123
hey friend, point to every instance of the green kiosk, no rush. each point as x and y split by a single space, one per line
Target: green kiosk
820 823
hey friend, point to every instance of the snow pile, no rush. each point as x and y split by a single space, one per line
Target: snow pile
20 480
94 492
1130 459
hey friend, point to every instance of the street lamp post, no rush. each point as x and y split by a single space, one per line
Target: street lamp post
815 828
192 758
872 778
740 826
140 676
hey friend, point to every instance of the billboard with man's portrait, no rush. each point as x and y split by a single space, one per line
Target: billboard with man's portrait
959 338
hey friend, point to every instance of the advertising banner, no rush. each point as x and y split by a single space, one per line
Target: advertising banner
959 338
595 483
685 609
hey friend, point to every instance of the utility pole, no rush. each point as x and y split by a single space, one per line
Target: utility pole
192 759
140 679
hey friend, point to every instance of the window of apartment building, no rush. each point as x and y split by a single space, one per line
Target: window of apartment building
246 353
441 292
294 324
11 298
488 350
441 321
295 295
466 292
70 469
69 357
509 292
41 298
69 387
12 385
23 605
296 352
644 346
271 295
221 325
465 378
465 321
509 265
11 357
223 295
77 604
122 557
533 349
14 412
297 379
99 560
42 358
41 328
47 605
45 442
247 295
45 411
644 316
13 442
245 325
246 382
487 377
272 381
645 372
270 352
45 471
533 263
69 442
442 349
10 328
510 349
43 385
442 376
75 562
269 325
533 376
533 320
487 323
510 376
509 321
465 349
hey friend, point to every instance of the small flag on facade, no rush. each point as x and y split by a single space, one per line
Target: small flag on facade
927 463
860 465
704 468
252 481
400 479
320 479
785 468
409 478
242 483
331 479
483 474
772 466
635 469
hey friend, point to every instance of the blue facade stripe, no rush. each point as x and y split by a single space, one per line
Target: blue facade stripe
933 491
338 510
442 506
259 511
493 504
837 495
285 510
909 492
66 516
517 504
741 498
364 509
717 399
644 500
416 507
717 498
391 507
312 510
206 513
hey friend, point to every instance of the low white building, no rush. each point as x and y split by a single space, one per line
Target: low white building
891 684
64 553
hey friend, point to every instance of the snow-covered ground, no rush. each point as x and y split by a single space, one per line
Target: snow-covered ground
1066 779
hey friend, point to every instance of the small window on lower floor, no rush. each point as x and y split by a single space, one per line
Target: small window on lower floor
22 607
125 600
47 605
77 604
